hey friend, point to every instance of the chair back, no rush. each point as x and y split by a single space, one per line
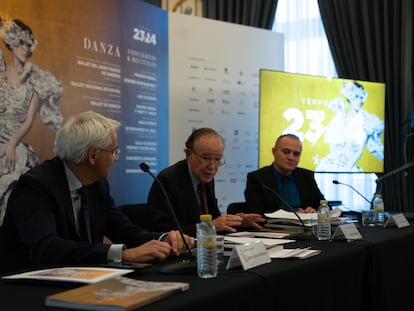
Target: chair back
139 214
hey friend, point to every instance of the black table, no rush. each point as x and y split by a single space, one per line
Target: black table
367 274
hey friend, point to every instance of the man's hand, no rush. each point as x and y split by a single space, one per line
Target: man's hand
307 210
155 250
227 222
252 220
177 243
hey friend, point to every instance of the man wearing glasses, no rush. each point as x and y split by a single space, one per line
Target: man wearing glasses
60 211
184 182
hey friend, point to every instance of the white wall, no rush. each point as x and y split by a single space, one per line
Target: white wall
214 82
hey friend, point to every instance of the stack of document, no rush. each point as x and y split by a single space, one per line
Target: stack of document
282 216
282 219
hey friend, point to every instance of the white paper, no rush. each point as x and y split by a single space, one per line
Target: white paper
282 214
248 255
268 242
290 215
398 220
348 232
71 274
301 253
260 234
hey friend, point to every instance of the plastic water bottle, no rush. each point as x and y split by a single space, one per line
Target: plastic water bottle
378 205
324 221
206 248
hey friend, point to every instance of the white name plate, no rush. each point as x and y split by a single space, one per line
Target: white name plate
249 255
347 231
398 220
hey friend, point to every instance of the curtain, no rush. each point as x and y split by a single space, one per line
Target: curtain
307 52
257 13
372 40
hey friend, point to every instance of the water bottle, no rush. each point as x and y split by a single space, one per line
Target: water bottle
378 205
206 248
324 221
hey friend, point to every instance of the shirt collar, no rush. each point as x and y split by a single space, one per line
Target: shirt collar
279 176
194 180
73 181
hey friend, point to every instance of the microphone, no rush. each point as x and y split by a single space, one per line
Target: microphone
185 267
340 183
285 203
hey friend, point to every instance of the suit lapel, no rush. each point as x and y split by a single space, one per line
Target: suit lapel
63 189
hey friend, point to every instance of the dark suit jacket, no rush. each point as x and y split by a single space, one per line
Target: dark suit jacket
260 200
177 182
39 226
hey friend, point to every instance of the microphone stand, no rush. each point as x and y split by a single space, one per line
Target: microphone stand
186 266
286 204
395 171
360 194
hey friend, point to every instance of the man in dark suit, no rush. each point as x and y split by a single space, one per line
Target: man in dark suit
204 155
44 222
297 186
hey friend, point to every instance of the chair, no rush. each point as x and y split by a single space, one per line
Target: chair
139 214
236 207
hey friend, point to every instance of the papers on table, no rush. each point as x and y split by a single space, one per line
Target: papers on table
266 241
290 216
301 253
231 241
307 218
260 234
85 275
274 246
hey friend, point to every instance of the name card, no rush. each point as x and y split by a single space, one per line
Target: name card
347 231
248 255
398 220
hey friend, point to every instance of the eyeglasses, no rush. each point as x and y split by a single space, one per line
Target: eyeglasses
207 160
116 152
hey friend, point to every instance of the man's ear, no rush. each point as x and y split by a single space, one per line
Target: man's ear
91 155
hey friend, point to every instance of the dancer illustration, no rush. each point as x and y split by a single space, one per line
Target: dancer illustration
350 130
25 90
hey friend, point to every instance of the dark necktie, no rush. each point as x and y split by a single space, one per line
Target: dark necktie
285 191
84 221
203 197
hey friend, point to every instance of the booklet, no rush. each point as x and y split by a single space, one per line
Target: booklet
116 294
83 275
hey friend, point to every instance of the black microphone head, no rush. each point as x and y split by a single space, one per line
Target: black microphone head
144 167
335 182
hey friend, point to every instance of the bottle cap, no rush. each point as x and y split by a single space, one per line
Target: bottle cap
323 202
206 217
378 195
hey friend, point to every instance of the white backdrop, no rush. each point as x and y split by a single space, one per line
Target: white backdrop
214 82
